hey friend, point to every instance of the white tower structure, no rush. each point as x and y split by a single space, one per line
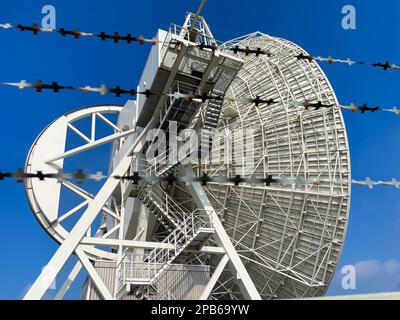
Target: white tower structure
155 240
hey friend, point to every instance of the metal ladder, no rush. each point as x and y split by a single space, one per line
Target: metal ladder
208 122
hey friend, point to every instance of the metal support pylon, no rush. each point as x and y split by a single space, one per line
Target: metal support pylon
235 264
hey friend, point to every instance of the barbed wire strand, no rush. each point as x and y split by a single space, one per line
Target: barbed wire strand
39 86
80 176
116 37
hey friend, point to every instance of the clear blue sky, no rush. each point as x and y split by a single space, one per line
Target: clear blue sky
373 234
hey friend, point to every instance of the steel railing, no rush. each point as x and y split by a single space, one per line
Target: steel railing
155 261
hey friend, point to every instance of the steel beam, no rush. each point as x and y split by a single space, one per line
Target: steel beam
92 145
214 278
244 281
67 283
94 276
143 244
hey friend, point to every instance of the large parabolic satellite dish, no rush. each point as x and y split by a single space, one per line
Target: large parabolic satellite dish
289 237
219 241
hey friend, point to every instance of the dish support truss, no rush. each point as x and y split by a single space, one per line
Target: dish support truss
192 229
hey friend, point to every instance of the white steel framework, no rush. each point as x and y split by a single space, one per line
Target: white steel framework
260 242
291 236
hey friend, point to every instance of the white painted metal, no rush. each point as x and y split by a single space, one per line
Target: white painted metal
262 242
290 236
43 196
69 245
214 279
239 271
67 283
98 282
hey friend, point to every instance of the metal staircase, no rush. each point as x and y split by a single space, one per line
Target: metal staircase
205 123
162 164
191 230
212 114
155 291
162 205
184 70
208 123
